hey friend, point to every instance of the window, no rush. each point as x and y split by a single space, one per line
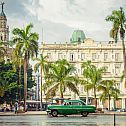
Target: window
49 55
81 71
78 71
71 57
112 56
1 37
106 67
93 56
82 56
118 85
116 56
98 56
60 56
105 56
117 68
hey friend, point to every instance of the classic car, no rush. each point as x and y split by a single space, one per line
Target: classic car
69 107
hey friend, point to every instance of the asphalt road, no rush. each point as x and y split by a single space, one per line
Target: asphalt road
44 120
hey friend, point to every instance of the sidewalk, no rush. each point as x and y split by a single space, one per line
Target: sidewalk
26 113
45 113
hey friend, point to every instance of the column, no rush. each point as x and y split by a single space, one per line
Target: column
100 105
123 103
112 103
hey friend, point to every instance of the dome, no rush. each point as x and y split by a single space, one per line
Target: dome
77 36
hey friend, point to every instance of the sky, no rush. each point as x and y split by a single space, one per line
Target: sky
55 20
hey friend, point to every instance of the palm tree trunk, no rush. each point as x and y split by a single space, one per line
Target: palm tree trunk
87 98
41 88
61 92
25 82
109 102
95 97
124 59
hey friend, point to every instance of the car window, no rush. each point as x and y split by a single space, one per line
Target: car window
66 103
76 103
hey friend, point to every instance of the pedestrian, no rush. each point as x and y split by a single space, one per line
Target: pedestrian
16 106
4 106
11 106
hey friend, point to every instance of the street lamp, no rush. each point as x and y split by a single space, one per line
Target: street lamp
37 89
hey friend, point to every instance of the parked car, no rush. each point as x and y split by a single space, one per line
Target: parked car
121 110
69 107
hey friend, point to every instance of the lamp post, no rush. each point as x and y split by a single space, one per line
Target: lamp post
37 89
41 91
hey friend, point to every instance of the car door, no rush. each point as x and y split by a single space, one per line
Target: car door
76 107
66 109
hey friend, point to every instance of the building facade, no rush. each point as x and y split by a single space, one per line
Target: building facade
4 28
101 54
4 34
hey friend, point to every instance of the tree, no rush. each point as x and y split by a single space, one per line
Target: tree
8 78
59 79
9 84
87 87
42 63
109 89
85 80
93 75
27 47
118 19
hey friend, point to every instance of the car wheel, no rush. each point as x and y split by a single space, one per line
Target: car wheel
84 114
54 113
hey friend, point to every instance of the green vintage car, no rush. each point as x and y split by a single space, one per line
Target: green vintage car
69 107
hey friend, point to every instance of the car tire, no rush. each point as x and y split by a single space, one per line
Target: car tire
54 113
84 114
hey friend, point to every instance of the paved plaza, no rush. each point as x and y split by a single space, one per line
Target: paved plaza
44 120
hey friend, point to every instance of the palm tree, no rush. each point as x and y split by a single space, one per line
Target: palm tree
85 80
42 63
87 87
60 78
118 19
109 89
17 62
27 47
93 75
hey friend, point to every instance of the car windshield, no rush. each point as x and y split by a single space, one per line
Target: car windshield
83 103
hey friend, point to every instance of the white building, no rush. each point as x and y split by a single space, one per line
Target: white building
80 49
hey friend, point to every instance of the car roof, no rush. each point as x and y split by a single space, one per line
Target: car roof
73 100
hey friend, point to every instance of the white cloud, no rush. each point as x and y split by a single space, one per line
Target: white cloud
59 17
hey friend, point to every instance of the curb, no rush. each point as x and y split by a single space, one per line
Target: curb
45 113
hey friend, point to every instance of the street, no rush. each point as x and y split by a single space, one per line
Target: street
44 120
